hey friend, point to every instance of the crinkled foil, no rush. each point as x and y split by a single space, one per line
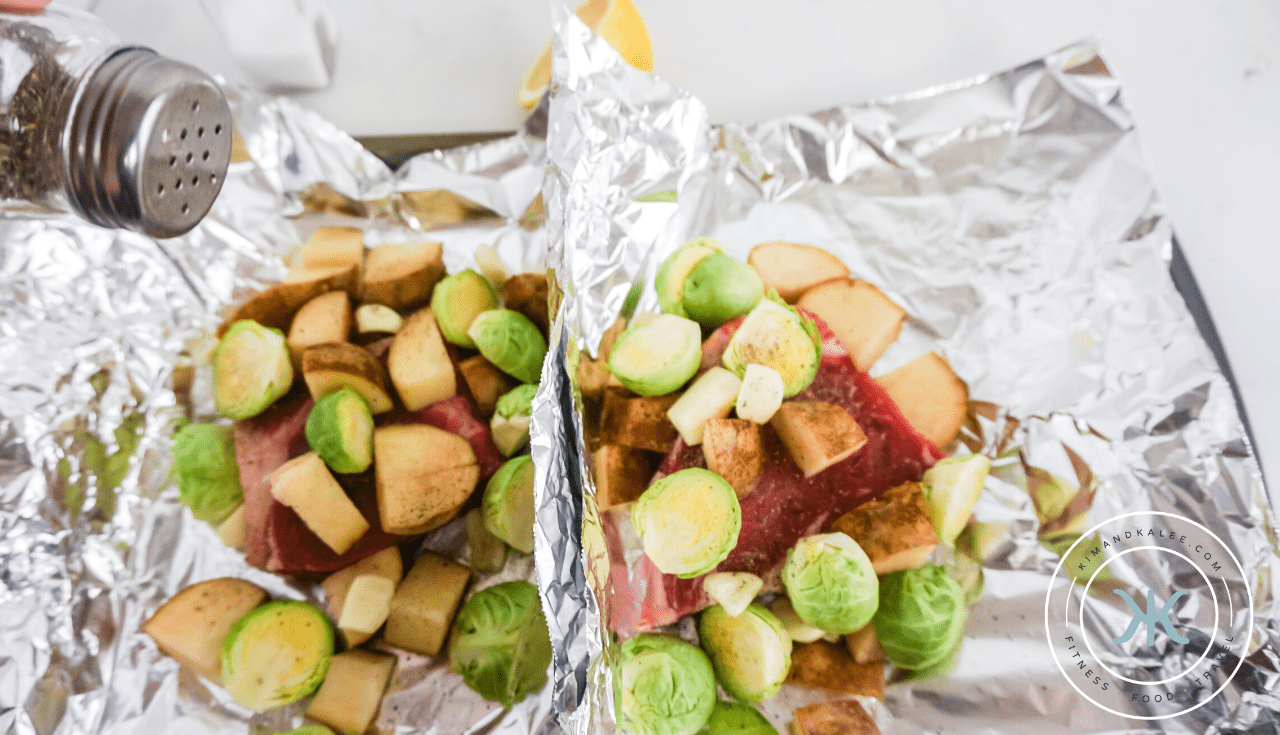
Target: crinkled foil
104 339
1015 219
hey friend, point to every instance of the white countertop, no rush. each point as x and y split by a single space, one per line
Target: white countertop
1203 77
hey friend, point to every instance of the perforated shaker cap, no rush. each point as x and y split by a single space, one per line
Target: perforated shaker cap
148 142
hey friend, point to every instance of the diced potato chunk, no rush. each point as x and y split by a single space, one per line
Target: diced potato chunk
306 485
424 605
734 449
486 382
794 269
349 698
637 421
817 434
761 393
895 529
326 318
840 717
621 475
385 563
419 362
191 625
829 666
712 395
734 591
863 645
233 530
402 275
423 475
864 320
276 306
329 366
368 604
930 395
527 294
377 319
333 246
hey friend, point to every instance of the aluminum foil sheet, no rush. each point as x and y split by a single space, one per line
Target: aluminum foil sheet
104 339
1014 217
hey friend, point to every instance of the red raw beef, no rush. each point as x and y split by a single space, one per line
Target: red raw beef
784 506
277 539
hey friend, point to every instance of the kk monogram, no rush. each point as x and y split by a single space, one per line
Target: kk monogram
1151 617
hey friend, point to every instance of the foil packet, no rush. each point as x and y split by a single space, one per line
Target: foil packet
1014 218
105 337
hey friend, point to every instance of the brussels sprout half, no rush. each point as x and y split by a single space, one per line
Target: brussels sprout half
921 616
508 503
310 730
511 342
501 647
204 459
510 422
688 522
831 583
776 335
666 686
720 289
658 356
734 718
670 280
340 430
276 654
251 369
457 300
751 652
951 487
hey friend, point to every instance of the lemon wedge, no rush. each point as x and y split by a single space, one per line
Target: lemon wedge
617 22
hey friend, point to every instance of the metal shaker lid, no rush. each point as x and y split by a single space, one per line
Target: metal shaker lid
148 142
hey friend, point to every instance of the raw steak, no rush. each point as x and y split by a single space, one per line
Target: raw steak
784 506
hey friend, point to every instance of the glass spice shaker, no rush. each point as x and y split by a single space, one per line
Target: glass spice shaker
118 134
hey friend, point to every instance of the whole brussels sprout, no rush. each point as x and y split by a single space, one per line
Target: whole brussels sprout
251 369
720 289
921 616
733 718
501 647
751 653
204 459
457 300
508 503
340 430
673 272
276 654
666 686
831 583
657 357
511 342
776 335
688 522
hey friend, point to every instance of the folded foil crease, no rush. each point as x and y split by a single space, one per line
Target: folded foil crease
104 339
1015 219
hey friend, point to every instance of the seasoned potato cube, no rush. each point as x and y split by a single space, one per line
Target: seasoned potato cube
816 434
349 698
423 475
276 306
333 246
402 275
385 564
191 625
621 474
734 449
637 421
864 320
841 717
527 294
486 382
326 318
930 395
329 366
895 529
306 485
419 362
863 645
794 269
424 604
829 666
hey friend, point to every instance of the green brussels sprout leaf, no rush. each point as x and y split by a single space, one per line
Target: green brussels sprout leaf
511 342
340 430
670 280
831 583
251 369
457 300
751 652
951 488
720 289
510 422
666 686
204 459
276 654
688 522
734 718
776 335
921 616
508 503
658 356
501 647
